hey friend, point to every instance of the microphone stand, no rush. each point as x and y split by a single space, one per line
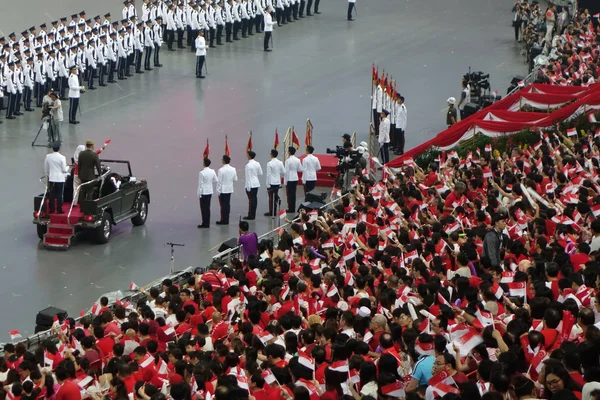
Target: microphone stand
172 262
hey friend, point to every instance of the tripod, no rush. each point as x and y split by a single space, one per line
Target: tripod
172 262
51 138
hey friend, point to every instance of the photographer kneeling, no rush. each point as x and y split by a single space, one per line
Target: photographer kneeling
52 113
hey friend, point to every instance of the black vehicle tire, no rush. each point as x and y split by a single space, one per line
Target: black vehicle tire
104 231
140 219
41 230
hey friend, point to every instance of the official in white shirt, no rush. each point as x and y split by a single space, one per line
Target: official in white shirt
292 167
351 5
252 171
74 93
275 171
268 29
206 178
310 166
200 53
401 120
225 178
55 166
384 136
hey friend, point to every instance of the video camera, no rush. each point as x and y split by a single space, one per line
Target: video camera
479 79
46 110
347 159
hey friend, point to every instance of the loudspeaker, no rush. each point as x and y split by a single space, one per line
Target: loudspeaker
45 318
516 79
228 244
310 206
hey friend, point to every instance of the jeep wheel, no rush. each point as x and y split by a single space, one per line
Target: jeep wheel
142 209
41 230
103 232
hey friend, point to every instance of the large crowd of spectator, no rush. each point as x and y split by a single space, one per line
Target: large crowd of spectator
474 279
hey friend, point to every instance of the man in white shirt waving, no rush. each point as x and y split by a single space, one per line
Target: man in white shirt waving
206 178
275 171
55 166
226 177
292 167
310 166
252 171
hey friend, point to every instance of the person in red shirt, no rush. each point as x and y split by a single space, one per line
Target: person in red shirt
68 390
580 257
103 343
378 325
550 322
454 198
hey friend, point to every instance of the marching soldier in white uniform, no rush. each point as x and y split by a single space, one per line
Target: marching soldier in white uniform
226 177
220 20
228 21
148 45
157 35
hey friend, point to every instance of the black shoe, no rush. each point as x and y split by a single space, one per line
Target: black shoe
122 79
113 81
19 113
236 38
269 214
102 84
181 47
158 65
249 218
172 50
309 15
10 117
350 19
222 223
149 69
317 12
202 77
268 50
244 36
229 41
92 88
251 34
1 122
139 72
202 226
213 46
220 44
29 109
129 75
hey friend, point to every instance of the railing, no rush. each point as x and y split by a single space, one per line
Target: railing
529 79
226 256
76 195
180 277
43 197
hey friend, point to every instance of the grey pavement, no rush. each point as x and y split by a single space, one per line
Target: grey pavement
320 69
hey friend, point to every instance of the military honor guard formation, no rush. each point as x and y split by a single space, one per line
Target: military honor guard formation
78 53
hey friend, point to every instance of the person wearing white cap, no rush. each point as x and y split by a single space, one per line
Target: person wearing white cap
384 136
451 115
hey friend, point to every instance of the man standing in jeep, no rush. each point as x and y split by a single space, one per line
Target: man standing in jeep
88 160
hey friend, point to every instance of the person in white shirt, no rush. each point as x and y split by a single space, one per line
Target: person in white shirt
275 171
74 93
351 5
252 171
200 53
384 136
292 167
55 166
401 120
225 178
57 116
310 166
206 178
268 29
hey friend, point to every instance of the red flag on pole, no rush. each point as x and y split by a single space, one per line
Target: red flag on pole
308 139
295 139
249 146
276 143
206 150
375 74
227 151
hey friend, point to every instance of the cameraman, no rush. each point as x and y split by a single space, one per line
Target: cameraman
54 107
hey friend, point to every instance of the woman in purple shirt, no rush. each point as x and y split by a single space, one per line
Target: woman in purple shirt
248 240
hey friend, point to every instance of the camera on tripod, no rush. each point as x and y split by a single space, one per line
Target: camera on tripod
347 159
46 115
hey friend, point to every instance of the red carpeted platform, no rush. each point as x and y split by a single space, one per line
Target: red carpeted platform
328 164
60 233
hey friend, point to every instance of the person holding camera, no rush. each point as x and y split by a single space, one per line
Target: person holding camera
56 116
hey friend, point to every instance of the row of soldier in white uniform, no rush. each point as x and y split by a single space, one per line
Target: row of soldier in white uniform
276 172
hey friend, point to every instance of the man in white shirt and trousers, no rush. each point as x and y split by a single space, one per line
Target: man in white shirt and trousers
275 171
401 119
351 5
200 53
268 29
225 178
74 93
55 166
384 136
206 178
292 167
310 166
252 171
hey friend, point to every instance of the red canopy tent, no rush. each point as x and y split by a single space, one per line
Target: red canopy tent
504 117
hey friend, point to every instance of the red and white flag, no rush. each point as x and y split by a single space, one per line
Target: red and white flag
572 132
497 290
596 210
281 214
592 118
442 300
441 377
452 227
268 376
537 362
517 289
484 317
332 291
466 340
14 335
507 277
425 349
395 390
242 382
96 309
340 366
354 376
265 336
306 361
488 148
442 389
349 254
133 286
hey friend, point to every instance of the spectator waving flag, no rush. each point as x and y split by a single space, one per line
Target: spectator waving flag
133 286
517 289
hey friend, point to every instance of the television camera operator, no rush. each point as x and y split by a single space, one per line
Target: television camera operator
350 163
52 114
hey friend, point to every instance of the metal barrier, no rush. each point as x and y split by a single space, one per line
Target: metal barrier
133 297
529 79
226 256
